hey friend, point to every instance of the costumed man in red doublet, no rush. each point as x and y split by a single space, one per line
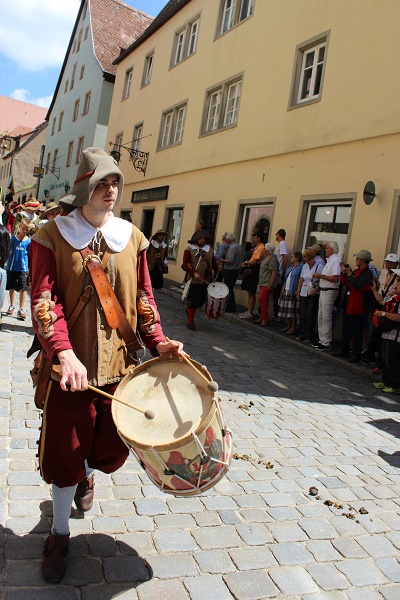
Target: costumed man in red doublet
78 434
199 264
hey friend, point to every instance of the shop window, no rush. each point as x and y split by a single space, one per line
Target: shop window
174 224
255 217
327 222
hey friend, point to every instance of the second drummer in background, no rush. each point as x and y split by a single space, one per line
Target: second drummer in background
199 264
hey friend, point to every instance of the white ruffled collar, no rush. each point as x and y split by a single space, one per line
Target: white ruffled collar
205 248
79 233
157 245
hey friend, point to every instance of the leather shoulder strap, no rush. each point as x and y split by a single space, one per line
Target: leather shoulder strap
113 312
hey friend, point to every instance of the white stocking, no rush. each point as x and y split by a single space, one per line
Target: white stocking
62 502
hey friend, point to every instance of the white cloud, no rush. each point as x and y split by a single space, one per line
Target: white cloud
26 96
34 34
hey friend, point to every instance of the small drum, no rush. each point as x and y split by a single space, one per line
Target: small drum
217 295
187 448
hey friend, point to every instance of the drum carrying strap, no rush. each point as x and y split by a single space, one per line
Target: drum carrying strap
113 312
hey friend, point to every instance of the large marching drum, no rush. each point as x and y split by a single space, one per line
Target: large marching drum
187 447
217 295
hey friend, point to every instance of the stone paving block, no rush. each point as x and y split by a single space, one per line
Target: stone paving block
295 581
83 526
251 585
283 513
322 550
391 592
255 515
101 545
50 593
390 568
228 488
252 558
254 534
219 503
151 491
328 577
174 541
210 538
275 499
171 566
291 554
161 590
361 572
151 506
122 492
178 521
394 537
22 509
287 532
117 508
238 475
258 487
377 546
250 501
214 561
23 526
205 519
125 479
363 593
22 478
125 568
108 525
83 571
23 573
207 586
229 517
347 527
134 544
122 591
184 505
318 529
138 523
28 547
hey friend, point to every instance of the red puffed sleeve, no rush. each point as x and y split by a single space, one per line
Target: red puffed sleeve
48 318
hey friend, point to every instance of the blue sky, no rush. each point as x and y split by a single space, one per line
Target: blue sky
34 36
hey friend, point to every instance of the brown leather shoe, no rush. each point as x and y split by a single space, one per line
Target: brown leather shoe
54 560
84 494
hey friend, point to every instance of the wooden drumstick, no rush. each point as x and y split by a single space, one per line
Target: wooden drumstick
149 414
212 385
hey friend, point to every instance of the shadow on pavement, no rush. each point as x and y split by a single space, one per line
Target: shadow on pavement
103 565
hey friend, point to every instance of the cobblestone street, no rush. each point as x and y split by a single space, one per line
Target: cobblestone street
298 420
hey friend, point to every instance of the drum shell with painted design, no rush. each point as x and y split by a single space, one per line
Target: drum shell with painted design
188 427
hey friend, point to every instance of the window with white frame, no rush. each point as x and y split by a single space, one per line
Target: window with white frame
309 71
86 33
86 105
84 11
82 72
79 149
185 42
60 120
172 125
127 83
55 157
48 162
148 68
137 137
66 86
70 154
174 224
76 110
255 216
53 127
233 12
222 105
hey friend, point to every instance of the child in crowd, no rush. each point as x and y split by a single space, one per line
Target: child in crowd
5 246
17 267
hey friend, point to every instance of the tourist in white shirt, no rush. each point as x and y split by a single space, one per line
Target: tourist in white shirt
329 289
282 253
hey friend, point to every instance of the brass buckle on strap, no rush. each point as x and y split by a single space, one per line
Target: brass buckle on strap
85 260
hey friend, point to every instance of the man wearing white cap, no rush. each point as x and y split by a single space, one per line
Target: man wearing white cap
387 278
78 434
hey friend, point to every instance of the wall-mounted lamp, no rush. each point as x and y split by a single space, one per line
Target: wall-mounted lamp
46 193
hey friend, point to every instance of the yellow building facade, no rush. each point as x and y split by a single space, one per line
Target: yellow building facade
263 109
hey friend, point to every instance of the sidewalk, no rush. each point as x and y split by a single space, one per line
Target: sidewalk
297 424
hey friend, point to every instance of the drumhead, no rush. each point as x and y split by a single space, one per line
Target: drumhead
177 394
217 290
